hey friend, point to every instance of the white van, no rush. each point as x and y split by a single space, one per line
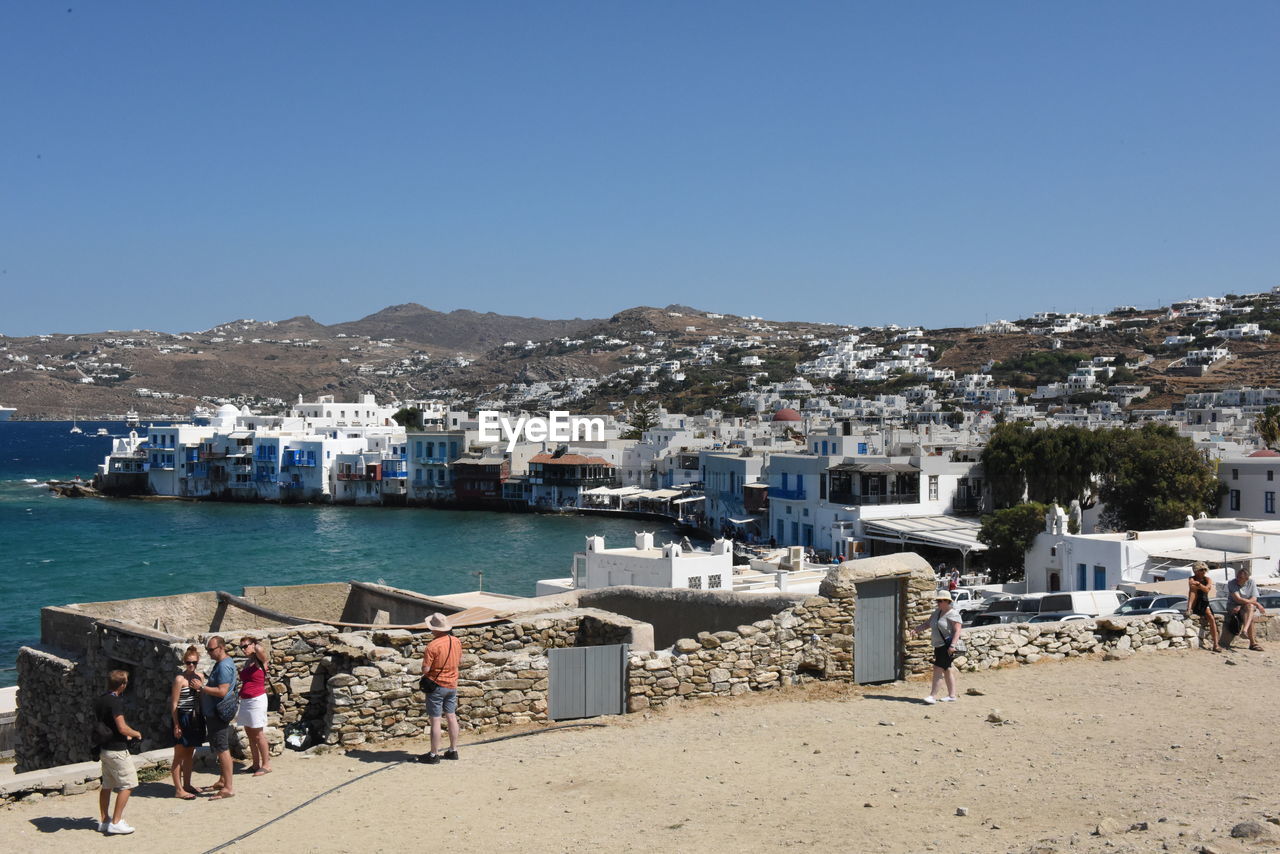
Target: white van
1095 603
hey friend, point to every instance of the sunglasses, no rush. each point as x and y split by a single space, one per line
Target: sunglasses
191 663
245 645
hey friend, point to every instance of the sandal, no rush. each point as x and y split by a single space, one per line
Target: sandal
262 772
1255 647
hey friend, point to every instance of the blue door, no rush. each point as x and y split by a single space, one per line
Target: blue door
1099 578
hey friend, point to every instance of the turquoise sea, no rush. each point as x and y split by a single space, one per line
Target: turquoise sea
59 550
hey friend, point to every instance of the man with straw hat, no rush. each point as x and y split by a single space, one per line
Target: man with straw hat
440 662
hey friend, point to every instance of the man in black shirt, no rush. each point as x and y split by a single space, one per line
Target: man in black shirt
118 773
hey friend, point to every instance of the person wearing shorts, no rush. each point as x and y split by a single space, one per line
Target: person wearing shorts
118 773
1199 589
221 680
253 704
440 662
188 723
944 626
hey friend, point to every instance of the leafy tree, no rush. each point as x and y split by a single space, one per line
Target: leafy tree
1007 534
409 417
1268 426
643 416
1004 463
1155 478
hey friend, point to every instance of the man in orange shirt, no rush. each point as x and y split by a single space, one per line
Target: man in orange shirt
440 662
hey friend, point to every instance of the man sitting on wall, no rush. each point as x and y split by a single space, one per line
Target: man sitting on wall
440 662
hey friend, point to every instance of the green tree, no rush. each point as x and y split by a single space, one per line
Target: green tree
409 417
1004 463
1155 478
1007 534
1268 426
643 416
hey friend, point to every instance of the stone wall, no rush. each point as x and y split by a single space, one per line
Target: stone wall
1027 643
811 639
58 688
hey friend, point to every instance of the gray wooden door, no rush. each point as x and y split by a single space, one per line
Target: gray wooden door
587 681
876 633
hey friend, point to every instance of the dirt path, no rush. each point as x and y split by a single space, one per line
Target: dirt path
1178 740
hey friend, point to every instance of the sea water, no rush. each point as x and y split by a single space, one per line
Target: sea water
55 551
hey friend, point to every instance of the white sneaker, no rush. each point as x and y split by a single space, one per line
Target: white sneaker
102 826
930 700
946 699
121 827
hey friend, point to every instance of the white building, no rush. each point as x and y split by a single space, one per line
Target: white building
646 565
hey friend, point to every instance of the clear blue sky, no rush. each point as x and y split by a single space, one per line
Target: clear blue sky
175 165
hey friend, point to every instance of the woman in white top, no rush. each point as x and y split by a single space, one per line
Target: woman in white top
945 626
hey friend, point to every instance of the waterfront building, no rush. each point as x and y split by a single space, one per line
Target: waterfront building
557 479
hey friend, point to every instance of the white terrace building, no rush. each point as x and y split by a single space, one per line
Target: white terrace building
1061 561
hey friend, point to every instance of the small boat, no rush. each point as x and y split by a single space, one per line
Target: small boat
102 431
75 428
131 418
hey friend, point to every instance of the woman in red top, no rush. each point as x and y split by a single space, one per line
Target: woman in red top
253 704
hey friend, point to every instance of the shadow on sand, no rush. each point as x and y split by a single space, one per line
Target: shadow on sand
383 757
53 824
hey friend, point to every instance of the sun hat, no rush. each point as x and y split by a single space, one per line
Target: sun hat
942 596
439 623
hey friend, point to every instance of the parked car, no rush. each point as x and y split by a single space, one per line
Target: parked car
1146 605
1095 602
1059 617
1002 605
986 618
1270 601
963 599
1029 604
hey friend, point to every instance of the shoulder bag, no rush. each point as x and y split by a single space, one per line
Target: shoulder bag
229 705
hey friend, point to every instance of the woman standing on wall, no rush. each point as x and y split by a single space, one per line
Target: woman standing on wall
188 725
253 703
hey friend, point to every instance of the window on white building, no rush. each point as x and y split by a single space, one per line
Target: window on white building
933 487
713 582
695 582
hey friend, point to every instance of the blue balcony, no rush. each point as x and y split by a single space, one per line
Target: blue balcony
393 471
299 459
191 455
787 494
289 484
200 470
433 459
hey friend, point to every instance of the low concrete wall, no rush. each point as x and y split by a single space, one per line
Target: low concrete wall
182 615
313 601
676 614
403 607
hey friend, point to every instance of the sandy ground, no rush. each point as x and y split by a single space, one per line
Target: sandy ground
1179 740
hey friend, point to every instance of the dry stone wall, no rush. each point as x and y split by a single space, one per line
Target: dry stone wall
811 639
58 687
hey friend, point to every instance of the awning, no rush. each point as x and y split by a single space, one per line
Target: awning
746 521
877 468
661 494
950 532
690 498
1191 555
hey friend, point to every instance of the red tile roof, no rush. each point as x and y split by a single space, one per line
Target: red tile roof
1265 452
570 460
